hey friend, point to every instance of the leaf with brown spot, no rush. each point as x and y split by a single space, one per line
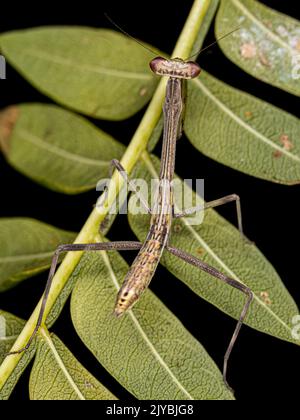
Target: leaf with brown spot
8 119
57 148
248 50
287 144
247 134
266 44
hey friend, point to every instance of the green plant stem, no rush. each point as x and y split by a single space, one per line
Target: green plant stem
133 153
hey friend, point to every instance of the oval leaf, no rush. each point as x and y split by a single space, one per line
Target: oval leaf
57 375
250 135
148 350
10 328
219 244
98 72
267 46
55 147
27 248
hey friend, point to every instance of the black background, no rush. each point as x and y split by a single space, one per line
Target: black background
262 367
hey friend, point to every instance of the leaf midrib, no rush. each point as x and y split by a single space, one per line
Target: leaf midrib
60 363
10 337
271 34
142 332
84 67
37 141
242 123
15 258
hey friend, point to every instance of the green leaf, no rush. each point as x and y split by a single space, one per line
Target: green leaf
55 368
27 248
98 72
219 244
242 132
55 147
10 327
57 375
267 46
148 350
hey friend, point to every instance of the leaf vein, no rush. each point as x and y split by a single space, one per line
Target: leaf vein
242 123
84 67
9 259
263 27
61 364
59 152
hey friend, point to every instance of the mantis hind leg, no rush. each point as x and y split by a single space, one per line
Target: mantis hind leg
190 259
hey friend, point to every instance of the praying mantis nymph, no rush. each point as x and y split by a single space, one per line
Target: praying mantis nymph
162 214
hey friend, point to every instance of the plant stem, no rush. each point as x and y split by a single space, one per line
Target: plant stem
133 153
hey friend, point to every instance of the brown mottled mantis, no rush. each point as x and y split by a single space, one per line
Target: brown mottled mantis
162 214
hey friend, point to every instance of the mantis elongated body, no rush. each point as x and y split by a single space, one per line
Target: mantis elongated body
162 215
144 266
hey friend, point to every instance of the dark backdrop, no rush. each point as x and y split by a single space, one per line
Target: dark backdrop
261 366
